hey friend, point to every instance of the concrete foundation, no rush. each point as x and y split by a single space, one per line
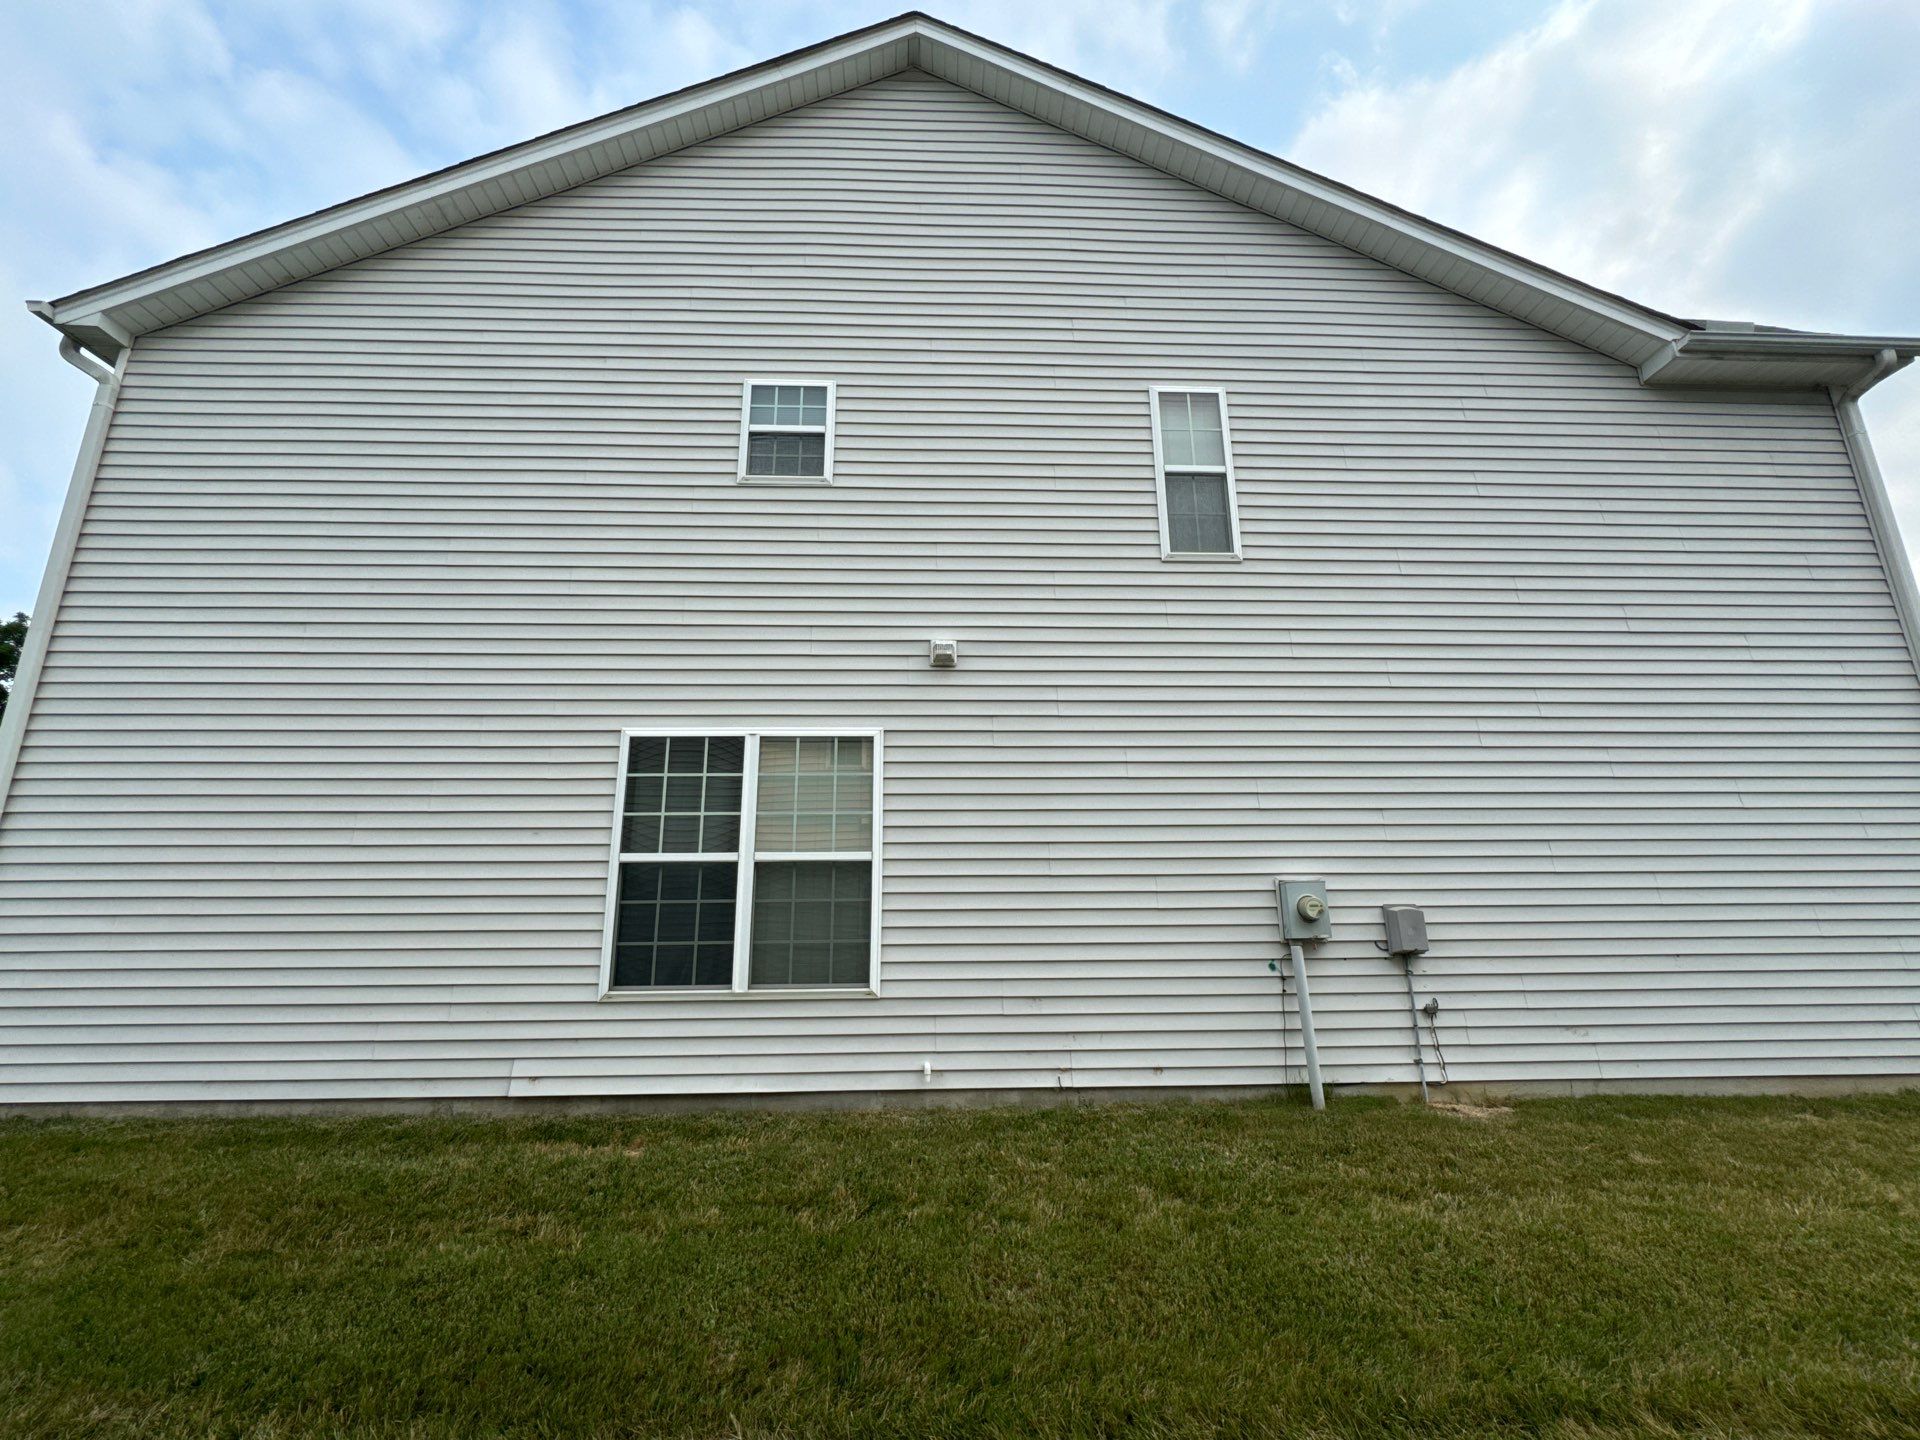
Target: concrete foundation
1476 1092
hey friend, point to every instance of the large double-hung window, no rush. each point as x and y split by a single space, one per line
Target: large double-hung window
746 861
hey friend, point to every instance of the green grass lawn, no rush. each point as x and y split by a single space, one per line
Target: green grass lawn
1574 1268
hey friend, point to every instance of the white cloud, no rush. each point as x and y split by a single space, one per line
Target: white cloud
1604 143
1134 45
1707 157
1237 29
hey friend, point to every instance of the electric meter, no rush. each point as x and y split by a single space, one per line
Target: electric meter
1303 910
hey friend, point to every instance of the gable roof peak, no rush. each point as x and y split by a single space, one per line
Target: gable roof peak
105 318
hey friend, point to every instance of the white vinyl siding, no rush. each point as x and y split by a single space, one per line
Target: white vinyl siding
315 798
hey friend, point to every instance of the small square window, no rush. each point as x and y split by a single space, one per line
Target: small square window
786 431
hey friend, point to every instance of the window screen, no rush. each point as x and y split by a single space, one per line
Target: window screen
683 879
797 455
683 795
675 925
1198 521
787 431
812 922
1196 475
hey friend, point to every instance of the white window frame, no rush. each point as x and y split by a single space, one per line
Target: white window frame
748 429
744 858
1167 552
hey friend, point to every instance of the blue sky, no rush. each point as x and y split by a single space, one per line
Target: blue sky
1739 159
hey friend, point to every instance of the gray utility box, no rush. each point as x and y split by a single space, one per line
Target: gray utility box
1304 914
1406 929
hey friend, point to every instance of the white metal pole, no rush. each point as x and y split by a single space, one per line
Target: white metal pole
1307 1045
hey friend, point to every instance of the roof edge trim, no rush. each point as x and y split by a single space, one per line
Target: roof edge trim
1663 349
80 305
1850 364
1310 183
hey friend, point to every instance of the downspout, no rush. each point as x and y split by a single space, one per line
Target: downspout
1879 506
66 534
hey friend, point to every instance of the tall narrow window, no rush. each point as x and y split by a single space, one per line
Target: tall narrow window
1193 460
746 861
813 870
679 858
786 432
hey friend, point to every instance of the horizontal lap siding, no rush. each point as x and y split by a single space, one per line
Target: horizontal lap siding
314 801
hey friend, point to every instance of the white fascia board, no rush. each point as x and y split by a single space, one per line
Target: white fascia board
1608 324
1212 161
1773 359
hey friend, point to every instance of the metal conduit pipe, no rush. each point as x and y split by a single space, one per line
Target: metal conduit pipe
1413 1016
1309 1044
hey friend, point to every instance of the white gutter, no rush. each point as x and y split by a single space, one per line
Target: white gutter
98 371
1885 361
1882 355
53 583
1879 505
1669 352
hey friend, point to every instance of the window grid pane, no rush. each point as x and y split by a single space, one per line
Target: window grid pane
812 922
816 793
683 795
788 405
1199 521
1190 431
771 453
674 924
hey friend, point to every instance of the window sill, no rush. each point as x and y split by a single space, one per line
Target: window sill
1196 559
724 992
816 481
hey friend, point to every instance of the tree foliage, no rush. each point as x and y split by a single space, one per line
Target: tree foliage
13 634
